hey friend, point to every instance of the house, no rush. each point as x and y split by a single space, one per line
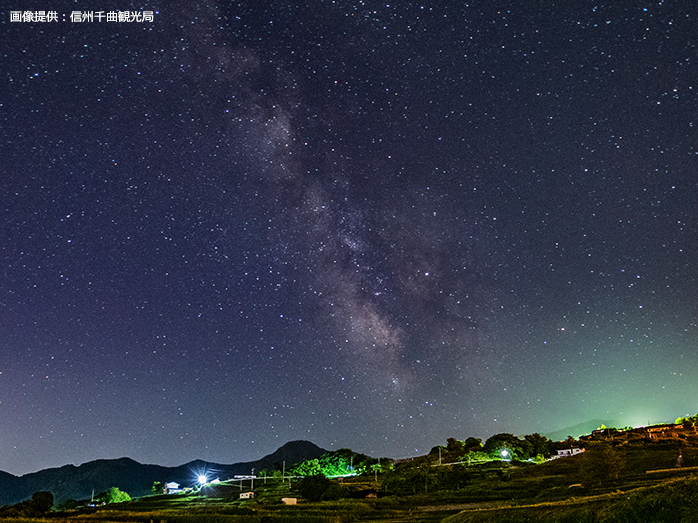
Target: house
171 488
566 453
246 495
661 429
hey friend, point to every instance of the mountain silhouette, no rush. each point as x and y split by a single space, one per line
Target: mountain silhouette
79 482
580 429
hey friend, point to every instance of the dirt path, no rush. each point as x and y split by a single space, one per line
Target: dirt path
465 506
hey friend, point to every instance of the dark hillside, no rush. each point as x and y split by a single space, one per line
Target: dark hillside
292 452
79 482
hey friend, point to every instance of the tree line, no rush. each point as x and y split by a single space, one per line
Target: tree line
420 474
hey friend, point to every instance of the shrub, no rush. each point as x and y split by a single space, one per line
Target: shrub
600 465
113 495
313 488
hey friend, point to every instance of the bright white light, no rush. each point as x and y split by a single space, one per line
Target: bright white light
202 479
505 453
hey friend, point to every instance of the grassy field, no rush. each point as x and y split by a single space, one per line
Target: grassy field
671 501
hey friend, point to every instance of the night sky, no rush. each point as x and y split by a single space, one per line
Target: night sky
371 225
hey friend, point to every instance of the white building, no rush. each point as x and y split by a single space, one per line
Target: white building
566 453
171 488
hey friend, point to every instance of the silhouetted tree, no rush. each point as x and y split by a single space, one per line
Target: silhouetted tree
113 495
42 501
420 474
539 445
687 420
515 447
68 504
473 443
39 504
313 488
394 481
455 445
600 465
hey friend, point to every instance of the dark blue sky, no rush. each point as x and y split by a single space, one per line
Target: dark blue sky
364 224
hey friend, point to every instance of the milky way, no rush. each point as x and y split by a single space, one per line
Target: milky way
367 225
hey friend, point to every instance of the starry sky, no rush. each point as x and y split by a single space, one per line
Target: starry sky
366 224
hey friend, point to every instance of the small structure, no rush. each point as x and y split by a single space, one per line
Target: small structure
665 430
171 488
368 493
246 495
566 453
289 501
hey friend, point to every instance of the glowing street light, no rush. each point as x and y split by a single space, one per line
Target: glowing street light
202 479
505 453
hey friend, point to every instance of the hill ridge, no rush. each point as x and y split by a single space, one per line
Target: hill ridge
79 481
